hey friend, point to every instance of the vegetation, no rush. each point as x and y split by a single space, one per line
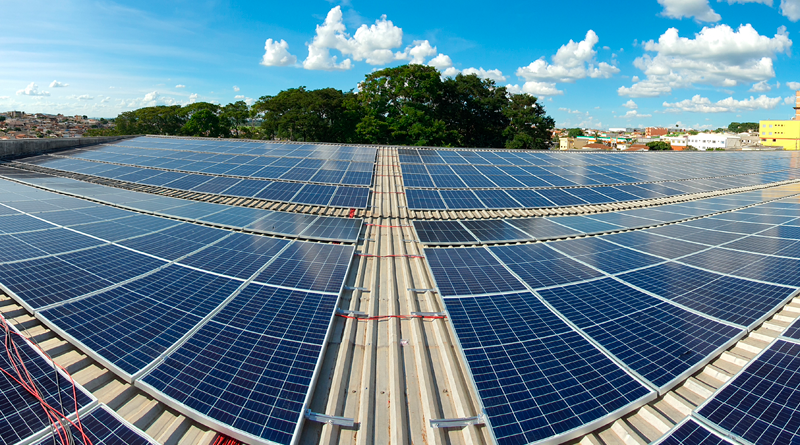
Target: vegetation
406 105
659 146
743 127
575 132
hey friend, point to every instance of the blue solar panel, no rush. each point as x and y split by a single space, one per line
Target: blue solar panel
603 255
256 357
311 266
422 200
793 331
760 404
103 427
470 271
692 433
177 241
131 325
22 223
494 230
442 232
352 197
537 378
239 255
334 229
659 341
652 244
58 240
731 299
21 414
540 266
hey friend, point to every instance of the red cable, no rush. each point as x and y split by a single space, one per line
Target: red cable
369 255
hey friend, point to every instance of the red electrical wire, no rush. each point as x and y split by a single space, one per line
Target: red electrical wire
225 440
369 255
24 379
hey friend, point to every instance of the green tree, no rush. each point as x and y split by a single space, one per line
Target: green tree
659 146
203 123
529 126
694 132
236 114
473 108
575 132
743 127
2 118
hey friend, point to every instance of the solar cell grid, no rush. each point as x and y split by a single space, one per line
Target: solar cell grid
131 325
470 271
442 232
177 241
540 266
760 403
692 433
311 266
103 427
603 255
239 255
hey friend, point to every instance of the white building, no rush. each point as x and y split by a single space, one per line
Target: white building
707 141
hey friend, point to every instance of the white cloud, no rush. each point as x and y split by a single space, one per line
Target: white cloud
573 61
441 62
535 89
698 104
761 87
277 54
791 9
193 98
417 53
699 9
180 86
765 2
57 84
249 101
630 104
85 97
150 99
791 100
719 56
32 90
240 96
4 98
372 44
236 89
495 75
634 113
793 85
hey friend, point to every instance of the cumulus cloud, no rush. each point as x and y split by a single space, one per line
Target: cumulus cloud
698 104
793 85
249 101
57 84
535 89
630 104
573 61
791 9
373 44
441 62
240 96
417 53
634 113
32 90
180 86
85 97
277 54
765 2
761 87
193 98
719 56
4 98
699 9
236 89
495 75
790 100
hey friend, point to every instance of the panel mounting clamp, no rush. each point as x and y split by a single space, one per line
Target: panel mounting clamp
411 289
341 311
330 420
458 423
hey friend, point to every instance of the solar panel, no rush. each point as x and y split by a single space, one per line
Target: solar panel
659 341
537 379
131 325
334 229
494 230
727 298
239 255
760 405
103 426
309 266
470 271
442 232
22 223
605 256
250 367
21 414
56 241
540 266
177 241
691 432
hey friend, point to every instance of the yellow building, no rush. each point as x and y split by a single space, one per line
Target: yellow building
784 134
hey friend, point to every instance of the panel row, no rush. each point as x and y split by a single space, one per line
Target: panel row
290 192
474 199
326 228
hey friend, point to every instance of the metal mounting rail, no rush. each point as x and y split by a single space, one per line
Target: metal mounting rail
428 314
341 311
421 290
330 420
458 423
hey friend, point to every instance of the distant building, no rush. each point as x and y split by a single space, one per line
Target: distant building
651 132
710 141
782 133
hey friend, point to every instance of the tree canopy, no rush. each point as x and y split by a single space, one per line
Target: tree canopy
405 105
743 127
659 146
575 132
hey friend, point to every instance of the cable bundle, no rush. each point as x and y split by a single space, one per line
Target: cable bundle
18 372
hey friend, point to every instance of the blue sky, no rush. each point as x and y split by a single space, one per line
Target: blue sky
697 63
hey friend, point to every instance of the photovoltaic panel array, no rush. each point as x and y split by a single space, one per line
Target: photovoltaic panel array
269 222
628 296
760 404
21 414
139 300
690 432
465 180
